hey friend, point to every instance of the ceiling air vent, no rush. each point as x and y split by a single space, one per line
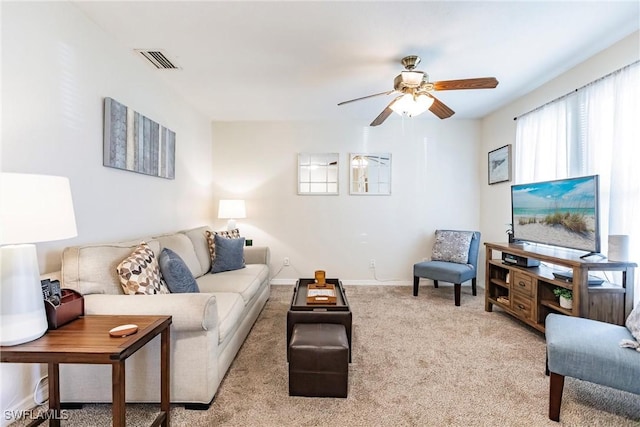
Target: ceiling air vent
158 59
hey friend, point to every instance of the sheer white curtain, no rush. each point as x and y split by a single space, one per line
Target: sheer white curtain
595 130
541 144
611 139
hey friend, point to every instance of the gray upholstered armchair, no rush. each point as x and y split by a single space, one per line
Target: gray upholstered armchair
590 351
454 260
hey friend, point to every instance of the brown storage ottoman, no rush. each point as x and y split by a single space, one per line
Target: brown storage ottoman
318 360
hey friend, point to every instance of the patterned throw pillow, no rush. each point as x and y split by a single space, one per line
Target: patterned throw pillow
633 324
231 234
140 274
452 246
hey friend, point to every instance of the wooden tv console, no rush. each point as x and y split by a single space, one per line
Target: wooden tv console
527 292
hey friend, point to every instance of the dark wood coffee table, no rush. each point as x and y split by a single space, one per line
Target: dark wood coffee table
87 340
301 312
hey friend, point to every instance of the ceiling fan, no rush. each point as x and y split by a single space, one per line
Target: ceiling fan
415 92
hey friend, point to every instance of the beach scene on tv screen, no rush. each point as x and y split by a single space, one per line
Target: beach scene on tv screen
560 213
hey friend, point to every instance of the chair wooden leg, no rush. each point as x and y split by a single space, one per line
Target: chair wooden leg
456 292
556 385
474 291
416 281
435 283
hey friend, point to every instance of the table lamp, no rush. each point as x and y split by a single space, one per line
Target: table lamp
231 210
33 208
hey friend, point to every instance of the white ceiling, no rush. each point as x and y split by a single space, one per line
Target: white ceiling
295 60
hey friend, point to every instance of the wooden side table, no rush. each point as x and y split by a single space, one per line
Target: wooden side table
87 340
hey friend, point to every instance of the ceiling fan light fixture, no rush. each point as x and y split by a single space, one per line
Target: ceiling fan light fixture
414 92
412 105
412 78
408 79
424 102
401 103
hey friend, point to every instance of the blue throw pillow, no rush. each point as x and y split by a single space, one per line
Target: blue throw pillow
229 254
176 273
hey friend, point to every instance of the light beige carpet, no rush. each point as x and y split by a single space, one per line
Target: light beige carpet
417 361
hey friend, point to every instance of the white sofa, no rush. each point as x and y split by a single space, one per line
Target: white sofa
208 327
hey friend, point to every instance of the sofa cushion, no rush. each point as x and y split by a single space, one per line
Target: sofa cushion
452 246
181 244
246 281
176 274
229 254
231 234
230 313
140 274
92 269
200 245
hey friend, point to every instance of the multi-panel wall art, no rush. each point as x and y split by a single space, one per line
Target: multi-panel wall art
136 143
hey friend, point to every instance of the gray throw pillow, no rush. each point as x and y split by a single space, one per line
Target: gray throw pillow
176 273
452 246
229 254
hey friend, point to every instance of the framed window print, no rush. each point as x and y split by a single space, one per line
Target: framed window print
318 173
500 165
370 173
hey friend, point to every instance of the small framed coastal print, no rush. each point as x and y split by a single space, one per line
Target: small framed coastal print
500 165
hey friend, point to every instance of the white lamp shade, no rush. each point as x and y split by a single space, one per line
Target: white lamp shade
35 208
232 209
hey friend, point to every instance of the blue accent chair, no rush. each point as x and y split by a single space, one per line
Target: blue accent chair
450 272
590 351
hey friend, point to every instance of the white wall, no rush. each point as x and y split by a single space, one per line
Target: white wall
57 67
435 184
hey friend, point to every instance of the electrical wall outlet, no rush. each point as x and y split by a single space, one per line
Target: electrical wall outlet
372 263
286 261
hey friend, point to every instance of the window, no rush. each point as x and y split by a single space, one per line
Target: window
593 130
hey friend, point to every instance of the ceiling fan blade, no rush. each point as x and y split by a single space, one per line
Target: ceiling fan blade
385 113
381 117
479 83
368 96
439 109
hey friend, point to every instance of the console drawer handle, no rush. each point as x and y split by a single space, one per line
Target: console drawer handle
521 307
523 284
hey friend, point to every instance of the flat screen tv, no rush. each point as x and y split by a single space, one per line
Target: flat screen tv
564 213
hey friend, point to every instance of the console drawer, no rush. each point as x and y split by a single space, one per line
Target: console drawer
522 306
522 283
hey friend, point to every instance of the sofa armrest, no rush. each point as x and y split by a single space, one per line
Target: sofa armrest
190 312
257 255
